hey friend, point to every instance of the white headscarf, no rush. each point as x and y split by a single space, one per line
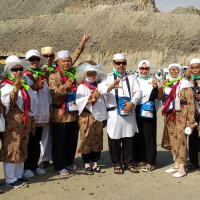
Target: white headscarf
172 65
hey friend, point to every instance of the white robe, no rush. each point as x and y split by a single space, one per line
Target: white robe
121 126
98 110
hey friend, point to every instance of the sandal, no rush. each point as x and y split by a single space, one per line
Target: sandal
98 169
133 169
88 171
72 167
148 168
118 170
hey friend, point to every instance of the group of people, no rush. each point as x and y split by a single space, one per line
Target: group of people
56 103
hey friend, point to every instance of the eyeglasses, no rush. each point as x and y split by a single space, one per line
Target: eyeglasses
194 67
91 73
144 68
49 56
174 70
119 63
20 69
34 59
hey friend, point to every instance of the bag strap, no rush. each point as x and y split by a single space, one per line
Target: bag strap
128 85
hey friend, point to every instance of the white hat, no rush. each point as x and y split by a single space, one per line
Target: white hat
63 54
32 52
194 61
11 61
47 50
119 56
142 62
86 67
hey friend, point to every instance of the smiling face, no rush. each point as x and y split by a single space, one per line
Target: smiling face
91 76
17 71
144 70
195 69
50 58
120 65
65 63
34 61
174 71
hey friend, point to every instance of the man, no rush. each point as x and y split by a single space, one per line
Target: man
193 74
49 67
62 86
121 126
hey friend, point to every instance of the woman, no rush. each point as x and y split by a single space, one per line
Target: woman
19 101
146 119
92 115
178 109
36 79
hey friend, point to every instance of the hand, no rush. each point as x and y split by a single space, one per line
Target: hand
96 93
161 85
192 126
154 83
129 106
18 84
197 96
85 38
68 84
115 84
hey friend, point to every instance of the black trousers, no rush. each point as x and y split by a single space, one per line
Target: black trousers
64 143
145 141
194 148
34 149
92 156
124 147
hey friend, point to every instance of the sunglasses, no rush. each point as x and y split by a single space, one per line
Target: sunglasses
119 63
34 59
20 69
49 56
144 68
91 74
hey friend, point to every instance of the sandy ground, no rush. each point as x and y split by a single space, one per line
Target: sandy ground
154 185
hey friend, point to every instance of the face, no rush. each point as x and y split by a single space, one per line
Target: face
120 65
35 61
144 70
50 58
65 63
174 71
91 75
195 69
17 71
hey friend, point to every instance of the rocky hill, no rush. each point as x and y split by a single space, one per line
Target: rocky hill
135 27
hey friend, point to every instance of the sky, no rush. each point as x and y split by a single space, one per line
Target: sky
169 5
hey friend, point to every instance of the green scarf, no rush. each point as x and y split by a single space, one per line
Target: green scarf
172 82
36 73
71 73
50 68
145 78
26 87
116 72
195 77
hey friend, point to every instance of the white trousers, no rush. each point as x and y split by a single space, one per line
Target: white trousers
46 143
13 171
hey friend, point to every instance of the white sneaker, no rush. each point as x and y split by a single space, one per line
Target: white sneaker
40 171
28 173
172 170
179 175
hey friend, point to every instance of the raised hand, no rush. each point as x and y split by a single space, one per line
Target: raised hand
154 83
115 84
68 84
18 83
96 93
85 37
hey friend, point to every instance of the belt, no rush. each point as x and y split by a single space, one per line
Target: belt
56 106
111 109
184 102
87 111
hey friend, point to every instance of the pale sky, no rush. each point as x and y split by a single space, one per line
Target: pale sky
169 5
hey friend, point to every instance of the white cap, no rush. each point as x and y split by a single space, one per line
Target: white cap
119 56
32 52
144 61
63 54
194 61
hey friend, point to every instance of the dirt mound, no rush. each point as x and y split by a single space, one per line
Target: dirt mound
130 26
186 10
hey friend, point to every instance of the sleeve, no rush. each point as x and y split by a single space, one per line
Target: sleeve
190 101
160 94
103 86
137 93
154 94
75 55
55 86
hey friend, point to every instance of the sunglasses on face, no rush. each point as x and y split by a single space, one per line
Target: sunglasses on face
91 74
49 56
120 63
20 69
144 68
194 67
34 59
